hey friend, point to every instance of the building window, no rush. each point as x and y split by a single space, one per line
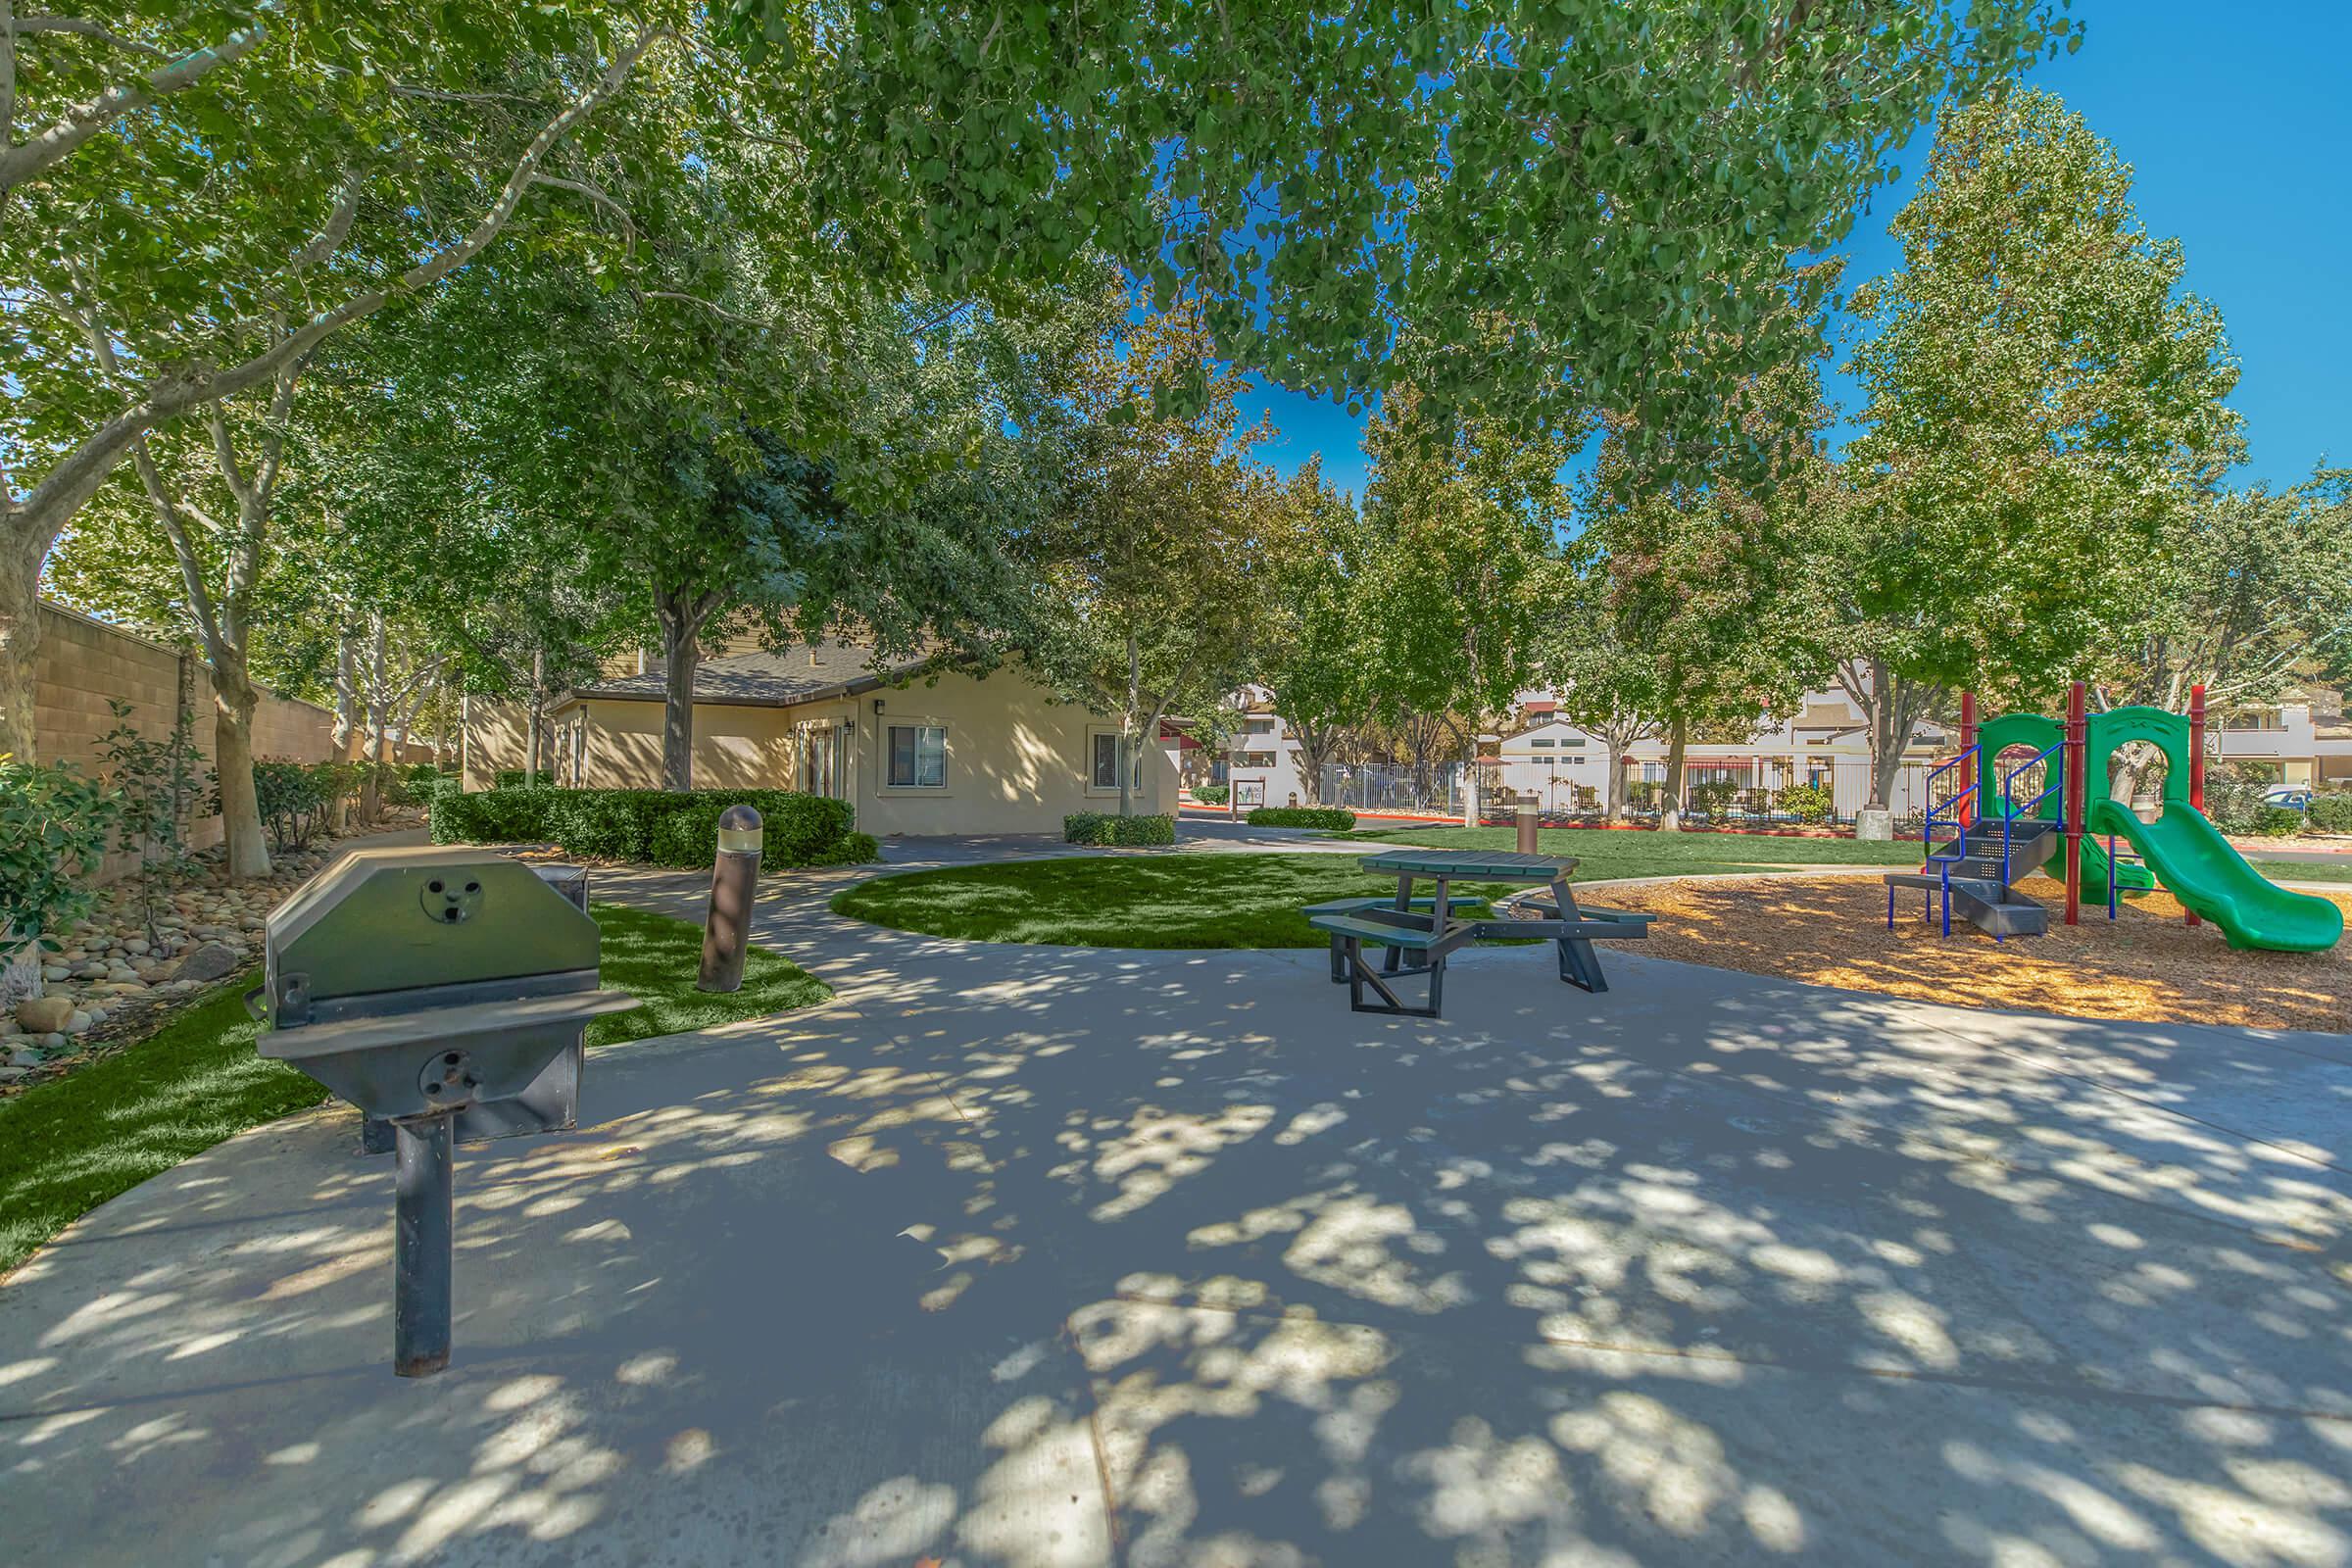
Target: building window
1539 743
918 757
1258 726
1102 762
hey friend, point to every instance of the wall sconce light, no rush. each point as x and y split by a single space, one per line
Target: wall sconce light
877 705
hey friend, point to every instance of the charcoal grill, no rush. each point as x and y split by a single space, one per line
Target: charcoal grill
422 986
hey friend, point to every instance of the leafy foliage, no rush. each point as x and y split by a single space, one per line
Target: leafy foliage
1605 179
297 800
1117 831
659 826
1336 818
53 824
153 786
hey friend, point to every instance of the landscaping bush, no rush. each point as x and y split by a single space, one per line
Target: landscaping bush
1110 830
658 826
2331 813
54 822
2235 805
297 798
508 778
2277 823
1336 817
1807 803
1713 799
1213 794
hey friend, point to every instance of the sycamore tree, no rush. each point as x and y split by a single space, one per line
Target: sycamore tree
2044 400
1605 678
1311 647
2250 597
1152 569
1460 532
193 200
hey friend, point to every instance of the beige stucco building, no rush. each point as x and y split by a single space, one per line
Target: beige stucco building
940 753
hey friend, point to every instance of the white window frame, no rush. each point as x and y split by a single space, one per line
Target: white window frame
1094 734
947 755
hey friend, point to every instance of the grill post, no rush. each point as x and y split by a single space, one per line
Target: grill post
1527 831
423 1219
734 880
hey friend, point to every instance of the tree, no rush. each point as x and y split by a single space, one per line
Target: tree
1153 564
1594 659
2044 401
2250 596
1311 648
1602 179
205 196
1700 578
1460 532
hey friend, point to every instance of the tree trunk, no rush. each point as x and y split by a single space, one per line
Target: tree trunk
1471 815
530 717
684 655
1678 746
20 646
246 851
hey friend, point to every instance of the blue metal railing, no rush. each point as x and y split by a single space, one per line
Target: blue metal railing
1958 845
2010 810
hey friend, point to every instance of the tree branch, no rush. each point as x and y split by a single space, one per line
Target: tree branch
77 477
85 119
88 29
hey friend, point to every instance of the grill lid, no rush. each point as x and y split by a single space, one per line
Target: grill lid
394 919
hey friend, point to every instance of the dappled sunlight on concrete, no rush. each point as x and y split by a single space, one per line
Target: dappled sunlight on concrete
1048 1257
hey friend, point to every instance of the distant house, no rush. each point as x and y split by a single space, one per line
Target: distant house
912 753
2306 739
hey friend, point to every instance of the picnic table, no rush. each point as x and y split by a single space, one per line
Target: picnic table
1431 927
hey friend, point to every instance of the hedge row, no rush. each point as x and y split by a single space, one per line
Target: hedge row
1336 817
2331 812
651 825
1113 831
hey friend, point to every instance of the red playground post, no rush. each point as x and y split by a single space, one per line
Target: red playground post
2076 799
1967 769
2197 767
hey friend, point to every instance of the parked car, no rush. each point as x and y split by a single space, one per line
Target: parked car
2295 797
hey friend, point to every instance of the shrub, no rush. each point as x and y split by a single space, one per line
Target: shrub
1335 817
1213 794
154 783
508 778
659 826
1110 830
1807 803
2233 799
1712 799
2331 813
54 822
2277 823
296 798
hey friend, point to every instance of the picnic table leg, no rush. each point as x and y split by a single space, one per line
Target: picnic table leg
1339 960
1394 957
1580 964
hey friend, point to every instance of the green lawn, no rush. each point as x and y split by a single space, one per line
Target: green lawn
1607 853
1161 901
67 1145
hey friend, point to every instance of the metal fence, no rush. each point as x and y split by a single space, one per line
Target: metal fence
1745 794
1372 786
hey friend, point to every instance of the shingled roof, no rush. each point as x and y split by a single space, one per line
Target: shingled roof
806 673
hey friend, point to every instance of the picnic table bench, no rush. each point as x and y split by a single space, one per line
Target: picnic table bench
1429 928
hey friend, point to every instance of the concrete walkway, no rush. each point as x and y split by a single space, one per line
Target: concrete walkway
1056 1257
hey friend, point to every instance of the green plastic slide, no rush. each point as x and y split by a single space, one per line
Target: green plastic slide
2197 866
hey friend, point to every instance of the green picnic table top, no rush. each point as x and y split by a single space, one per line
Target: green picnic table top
1471 865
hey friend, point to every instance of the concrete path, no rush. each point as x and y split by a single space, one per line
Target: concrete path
1055 1258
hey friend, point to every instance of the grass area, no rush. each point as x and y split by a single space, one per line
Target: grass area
1611 852
656 958
70 1144
1163 900
2302 870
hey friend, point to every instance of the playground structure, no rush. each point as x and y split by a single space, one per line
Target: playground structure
2005 820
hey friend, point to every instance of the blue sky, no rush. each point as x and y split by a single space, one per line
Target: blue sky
2238 126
